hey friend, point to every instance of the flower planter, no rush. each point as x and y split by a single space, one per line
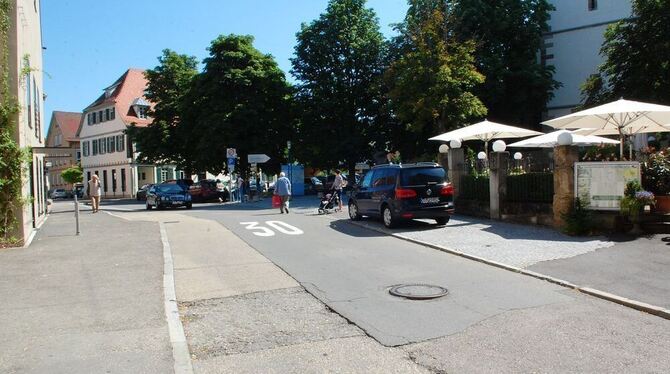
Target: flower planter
662 204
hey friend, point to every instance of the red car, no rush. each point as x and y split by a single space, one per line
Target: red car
208 190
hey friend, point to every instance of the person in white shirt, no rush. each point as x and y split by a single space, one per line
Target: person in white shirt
94 190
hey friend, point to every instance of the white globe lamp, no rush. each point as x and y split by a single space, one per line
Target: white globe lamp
481 156
444 148
499 146
518 156
455 144
565 138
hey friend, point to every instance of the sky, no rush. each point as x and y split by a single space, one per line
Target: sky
90 43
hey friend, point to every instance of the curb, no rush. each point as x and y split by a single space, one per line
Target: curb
630 303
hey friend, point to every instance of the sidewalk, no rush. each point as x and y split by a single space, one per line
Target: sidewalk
84 304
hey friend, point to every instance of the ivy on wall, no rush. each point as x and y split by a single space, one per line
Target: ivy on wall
13 159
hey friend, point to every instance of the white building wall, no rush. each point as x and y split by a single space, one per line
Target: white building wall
573 46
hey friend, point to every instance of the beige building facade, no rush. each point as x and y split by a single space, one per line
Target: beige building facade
63 147
26 85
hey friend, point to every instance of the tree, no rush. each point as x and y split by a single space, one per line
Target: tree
508 36
338 64
168 138
637 58
73 175
431 81
240 100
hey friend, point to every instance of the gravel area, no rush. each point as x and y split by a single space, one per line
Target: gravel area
507 243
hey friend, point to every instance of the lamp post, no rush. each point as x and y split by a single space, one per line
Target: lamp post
290 171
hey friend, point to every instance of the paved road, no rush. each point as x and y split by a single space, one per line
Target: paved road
492 320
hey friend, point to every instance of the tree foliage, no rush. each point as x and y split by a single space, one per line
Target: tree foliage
73 174
637 58
432 78
240 100
167 140
338 63
508 35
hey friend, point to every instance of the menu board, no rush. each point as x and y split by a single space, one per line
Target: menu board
602 184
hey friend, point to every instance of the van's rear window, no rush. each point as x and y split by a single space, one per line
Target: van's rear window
422 176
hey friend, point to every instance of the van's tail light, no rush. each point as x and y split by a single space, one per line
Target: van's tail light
404 193
447 190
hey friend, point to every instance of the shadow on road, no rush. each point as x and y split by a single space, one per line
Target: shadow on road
345 226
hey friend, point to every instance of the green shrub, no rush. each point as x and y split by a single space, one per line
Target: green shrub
579 220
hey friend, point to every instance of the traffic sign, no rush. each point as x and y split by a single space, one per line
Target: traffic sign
231 164
231 152
257 158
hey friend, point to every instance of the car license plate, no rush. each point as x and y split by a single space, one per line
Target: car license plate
430 200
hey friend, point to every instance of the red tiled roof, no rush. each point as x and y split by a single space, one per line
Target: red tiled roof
68 122
129 86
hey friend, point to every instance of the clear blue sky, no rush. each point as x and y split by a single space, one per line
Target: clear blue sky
91 43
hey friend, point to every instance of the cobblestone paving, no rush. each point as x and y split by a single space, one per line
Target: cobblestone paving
508 243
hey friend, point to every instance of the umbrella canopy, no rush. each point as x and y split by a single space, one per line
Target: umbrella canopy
550 140
621 117
485 131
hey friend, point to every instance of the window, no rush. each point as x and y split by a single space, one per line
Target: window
78 156
164 175
102 146
107 114
38 123
111 144
379 177
100 116
104 180
95 147
144 176
94 116
593 4
113 180
367 180
85 148
142 112
112 113
422 176
123 180
119 143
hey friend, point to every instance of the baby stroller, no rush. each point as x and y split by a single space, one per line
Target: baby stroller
329 203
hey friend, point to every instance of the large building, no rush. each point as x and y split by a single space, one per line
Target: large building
573 44
63 147
25 84
106 150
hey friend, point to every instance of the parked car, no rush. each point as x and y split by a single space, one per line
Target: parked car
168 195
403 192
313 186
59 193
142 192
208 190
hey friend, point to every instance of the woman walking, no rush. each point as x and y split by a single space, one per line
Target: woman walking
94 189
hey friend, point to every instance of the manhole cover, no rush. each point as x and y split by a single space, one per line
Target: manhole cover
418 291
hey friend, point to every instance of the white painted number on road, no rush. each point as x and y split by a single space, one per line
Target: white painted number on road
280 226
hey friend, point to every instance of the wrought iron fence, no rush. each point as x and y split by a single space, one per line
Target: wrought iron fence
475 187
530 187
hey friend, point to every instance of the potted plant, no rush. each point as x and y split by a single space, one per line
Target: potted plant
633 203
656 177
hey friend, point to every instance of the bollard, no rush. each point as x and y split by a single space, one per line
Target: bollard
76 212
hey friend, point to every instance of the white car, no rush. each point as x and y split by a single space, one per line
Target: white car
59 193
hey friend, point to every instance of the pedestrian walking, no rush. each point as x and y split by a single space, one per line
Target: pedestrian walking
240 188
338 184
94 190
283 190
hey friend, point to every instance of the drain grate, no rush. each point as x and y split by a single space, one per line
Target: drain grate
418 291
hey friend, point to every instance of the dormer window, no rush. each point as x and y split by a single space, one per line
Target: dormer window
141 107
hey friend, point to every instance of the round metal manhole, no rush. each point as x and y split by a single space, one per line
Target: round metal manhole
418 291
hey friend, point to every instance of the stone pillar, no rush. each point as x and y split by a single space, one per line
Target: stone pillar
498 162
565 157
456 169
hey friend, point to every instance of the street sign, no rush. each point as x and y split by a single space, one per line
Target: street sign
231 164
257 158
231 152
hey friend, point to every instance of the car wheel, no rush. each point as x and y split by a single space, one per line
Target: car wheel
354 215
387 217
442 220
149 206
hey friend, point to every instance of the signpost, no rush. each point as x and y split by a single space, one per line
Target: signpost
602 184
231 154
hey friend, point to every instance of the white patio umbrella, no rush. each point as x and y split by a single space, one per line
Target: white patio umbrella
621 117
485 131
550 140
